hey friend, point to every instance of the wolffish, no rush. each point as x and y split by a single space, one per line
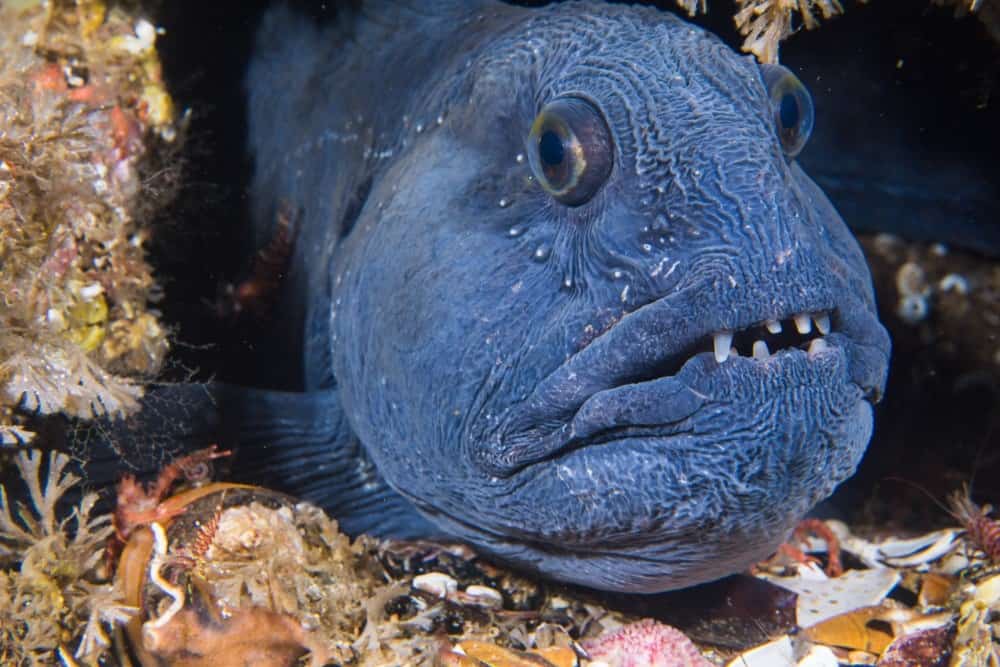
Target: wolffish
561 289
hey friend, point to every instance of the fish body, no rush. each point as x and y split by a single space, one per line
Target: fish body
526 241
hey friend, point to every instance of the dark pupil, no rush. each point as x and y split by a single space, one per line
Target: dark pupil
788 112
550 148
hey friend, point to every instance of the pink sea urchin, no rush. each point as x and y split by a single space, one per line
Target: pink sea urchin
645 643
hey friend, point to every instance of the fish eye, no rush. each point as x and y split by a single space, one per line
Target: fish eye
570 150
792 107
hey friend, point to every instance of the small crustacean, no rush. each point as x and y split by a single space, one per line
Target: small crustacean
817 527
983 531
169 548
255 294
140 505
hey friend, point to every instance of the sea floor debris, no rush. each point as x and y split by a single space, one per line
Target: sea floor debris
219 573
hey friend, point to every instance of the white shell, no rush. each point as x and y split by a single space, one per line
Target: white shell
777 653
918 550
435 583
484 595
823 599
819 656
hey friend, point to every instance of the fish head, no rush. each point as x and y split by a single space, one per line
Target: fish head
594 318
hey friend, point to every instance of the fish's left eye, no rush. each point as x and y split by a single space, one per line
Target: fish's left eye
570 150
792 107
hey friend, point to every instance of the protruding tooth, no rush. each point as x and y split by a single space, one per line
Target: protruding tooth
817 345
822 323
773 326
760 351
802 323
722 341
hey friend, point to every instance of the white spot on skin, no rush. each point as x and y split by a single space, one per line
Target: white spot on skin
625 294
783 256
659 268
517 287
732 282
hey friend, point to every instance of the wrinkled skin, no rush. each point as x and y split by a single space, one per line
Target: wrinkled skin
538 379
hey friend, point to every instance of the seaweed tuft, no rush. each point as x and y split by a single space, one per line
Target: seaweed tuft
54 590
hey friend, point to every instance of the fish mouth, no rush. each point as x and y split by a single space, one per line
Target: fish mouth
627 383
808 332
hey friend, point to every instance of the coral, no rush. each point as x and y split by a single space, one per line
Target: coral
52 589
84 120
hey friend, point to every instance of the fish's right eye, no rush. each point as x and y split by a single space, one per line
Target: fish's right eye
570 150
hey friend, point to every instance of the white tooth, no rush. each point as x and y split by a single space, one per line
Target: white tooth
817 345
773 326
722 341
802 323
822 323
760 350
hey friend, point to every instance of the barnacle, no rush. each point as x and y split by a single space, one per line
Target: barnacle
83 115
51 587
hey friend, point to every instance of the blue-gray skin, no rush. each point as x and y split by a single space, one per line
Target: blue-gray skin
537 377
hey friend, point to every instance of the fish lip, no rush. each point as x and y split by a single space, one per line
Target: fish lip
594 423
540 426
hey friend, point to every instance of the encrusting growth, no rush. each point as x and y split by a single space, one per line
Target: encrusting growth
83 117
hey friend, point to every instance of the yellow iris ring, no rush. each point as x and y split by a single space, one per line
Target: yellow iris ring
546 122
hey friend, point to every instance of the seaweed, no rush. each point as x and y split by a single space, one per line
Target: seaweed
53 585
